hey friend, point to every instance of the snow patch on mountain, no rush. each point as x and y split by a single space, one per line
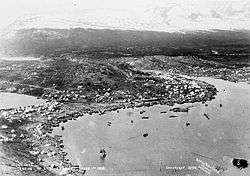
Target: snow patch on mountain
170 18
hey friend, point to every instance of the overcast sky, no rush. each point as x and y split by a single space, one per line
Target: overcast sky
12 9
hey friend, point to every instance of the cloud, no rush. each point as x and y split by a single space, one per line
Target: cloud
12 9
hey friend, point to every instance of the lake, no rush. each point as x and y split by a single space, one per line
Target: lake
7 58
13 100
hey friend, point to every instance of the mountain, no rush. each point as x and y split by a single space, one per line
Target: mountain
107 42
171 29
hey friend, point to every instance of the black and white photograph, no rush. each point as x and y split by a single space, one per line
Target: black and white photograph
124 87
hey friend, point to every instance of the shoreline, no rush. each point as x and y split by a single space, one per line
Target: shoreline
45 127
37 125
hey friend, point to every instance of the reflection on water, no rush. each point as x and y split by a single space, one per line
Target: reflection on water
13 100
171 147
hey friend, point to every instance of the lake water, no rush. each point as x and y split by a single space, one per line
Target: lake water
18 58
171 147
13 100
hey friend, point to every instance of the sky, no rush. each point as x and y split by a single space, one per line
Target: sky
12 9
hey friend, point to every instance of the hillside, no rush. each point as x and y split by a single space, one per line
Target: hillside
109 43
